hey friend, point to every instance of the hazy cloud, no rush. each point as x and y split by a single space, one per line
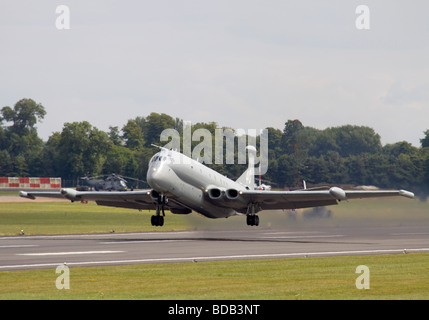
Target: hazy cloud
243 64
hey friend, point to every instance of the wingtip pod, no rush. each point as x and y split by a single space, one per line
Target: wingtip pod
24 194
406 193
338 193
69 193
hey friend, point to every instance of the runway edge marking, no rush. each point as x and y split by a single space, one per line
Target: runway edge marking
232 257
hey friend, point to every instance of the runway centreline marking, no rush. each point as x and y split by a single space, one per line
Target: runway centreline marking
92 235
208 258
65 253
19 245
144 241
292 232
303 237
409 233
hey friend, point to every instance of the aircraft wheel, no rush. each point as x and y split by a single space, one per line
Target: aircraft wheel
157 221
252 220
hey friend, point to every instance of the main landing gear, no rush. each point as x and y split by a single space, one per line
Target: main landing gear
158 220
252 218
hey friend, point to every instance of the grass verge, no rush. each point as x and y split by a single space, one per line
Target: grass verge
403 276
65 217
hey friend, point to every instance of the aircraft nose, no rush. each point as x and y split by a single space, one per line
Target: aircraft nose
155 178
151 175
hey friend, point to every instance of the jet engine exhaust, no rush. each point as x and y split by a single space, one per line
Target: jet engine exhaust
214 193
232 194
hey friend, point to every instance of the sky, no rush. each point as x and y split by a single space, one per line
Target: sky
244 64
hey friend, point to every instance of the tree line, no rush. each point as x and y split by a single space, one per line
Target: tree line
351 155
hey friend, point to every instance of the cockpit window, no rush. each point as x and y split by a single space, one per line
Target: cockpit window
160 158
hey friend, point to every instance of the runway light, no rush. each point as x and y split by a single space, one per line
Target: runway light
21 233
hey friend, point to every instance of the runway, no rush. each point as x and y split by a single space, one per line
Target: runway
37 252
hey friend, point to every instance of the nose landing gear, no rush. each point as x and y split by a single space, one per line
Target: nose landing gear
158 220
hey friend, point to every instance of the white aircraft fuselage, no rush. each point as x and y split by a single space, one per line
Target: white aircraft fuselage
189 182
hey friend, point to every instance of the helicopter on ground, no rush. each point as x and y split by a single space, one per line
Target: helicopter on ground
111 182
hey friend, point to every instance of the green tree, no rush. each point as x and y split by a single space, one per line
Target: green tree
115 136
346 140
274 142
425 170
324 142
356 140
120 160
18 137
82 149
292 137
153 126
399 148
425 140
51 156
23 116
133 135
6 163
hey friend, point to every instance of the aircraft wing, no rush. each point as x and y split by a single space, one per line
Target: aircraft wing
124 199
266 200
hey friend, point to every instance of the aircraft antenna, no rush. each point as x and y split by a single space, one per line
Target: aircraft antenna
161 148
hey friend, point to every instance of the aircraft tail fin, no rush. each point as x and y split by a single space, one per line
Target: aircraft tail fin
247 179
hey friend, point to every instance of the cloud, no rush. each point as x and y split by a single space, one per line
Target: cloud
405 94
243 64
